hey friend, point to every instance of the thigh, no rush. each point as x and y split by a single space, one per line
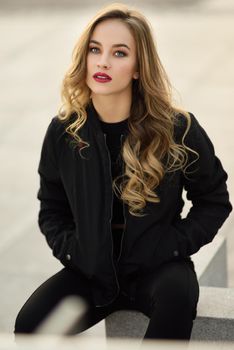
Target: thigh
46 296
173 284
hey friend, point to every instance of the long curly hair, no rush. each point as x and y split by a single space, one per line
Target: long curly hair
149 150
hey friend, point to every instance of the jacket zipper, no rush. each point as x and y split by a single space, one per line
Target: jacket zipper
121 243
111 230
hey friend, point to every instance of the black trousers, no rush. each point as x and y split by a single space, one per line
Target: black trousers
168 296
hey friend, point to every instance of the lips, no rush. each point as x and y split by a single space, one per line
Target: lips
101 76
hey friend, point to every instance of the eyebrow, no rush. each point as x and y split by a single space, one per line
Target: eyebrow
115 45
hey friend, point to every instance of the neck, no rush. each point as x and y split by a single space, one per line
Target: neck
112 110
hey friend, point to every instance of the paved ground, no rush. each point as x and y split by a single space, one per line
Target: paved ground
196 43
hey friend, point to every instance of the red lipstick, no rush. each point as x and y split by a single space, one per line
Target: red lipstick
102 77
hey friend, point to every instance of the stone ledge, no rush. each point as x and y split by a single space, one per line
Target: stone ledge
215 317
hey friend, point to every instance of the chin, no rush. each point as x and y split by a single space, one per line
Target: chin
101 91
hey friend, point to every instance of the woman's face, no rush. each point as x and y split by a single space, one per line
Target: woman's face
112 51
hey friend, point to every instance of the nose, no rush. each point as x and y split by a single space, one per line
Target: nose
103 63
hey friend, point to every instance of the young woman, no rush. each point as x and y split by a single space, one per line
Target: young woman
114 163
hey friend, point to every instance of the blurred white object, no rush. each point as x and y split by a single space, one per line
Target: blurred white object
66 315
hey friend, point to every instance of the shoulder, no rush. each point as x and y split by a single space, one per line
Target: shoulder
57 129
182 123
54 138
56 126
187 125
184 120
191 133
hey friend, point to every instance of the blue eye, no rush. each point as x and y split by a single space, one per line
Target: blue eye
91 48
123 54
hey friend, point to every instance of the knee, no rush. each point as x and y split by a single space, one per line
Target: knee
178 291
20 326
23 323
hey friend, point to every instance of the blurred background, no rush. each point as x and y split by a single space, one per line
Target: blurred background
195 40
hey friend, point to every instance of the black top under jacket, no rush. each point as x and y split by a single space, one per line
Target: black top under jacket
112 132
76 207
113 135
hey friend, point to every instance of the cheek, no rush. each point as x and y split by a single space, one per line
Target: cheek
125 70
89 63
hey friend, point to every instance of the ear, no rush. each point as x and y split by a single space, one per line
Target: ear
136 75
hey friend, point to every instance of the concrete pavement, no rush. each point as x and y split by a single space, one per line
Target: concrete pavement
196 45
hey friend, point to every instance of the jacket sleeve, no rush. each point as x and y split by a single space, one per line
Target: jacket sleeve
205 186
55 217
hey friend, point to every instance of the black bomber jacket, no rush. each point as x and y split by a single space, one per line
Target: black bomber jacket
76 207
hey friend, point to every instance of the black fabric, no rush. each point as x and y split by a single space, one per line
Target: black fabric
117 236
168 296
113 132
75 207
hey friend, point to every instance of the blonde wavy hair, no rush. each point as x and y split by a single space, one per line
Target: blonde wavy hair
149 150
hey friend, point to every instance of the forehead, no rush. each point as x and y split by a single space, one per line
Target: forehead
113 31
